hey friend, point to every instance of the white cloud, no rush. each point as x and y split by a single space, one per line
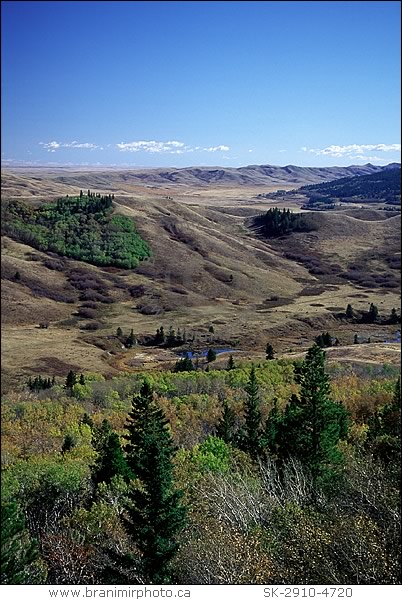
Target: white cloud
50 145
170 147
151 146
352 149
53 146
217 149
85 145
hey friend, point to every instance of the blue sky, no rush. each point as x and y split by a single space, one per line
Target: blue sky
200 83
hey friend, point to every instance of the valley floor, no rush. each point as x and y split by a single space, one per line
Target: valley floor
208 269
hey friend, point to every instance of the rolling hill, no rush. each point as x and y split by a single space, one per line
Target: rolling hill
20 182
208 268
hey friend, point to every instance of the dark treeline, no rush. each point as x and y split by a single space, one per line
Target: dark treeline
384 186
276 222
40 383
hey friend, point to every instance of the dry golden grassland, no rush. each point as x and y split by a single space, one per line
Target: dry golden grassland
208 268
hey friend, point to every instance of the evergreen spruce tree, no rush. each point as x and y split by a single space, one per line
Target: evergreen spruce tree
160 336
87 420
356 339
313 424
119 332
20 563
349 312
391 413
384 433
68 444
226 424
251 435
184 364
211 355
269 351
397 393
171 337
156 514
131 340
71 380
324 340
110 460
231 363
272 425
394 319
373 313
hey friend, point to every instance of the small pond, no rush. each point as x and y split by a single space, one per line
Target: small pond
201 353
396 339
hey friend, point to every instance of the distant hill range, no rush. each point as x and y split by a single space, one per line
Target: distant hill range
16 180
381 186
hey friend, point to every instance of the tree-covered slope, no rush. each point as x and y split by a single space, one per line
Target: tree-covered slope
383 186
81 227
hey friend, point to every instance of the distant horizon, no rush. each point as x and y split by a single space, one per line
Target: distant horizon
362 160
152 168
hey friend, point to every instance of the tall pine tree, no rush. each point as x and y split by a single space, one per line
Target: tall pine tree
231 363
251 434
384 434
226 424
349 312
20 562
156 514
71 380
110 460
312 423
272 425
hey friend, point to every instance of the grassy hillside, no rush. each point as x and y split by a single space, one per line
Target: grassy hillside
21 181
338 246
207 269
